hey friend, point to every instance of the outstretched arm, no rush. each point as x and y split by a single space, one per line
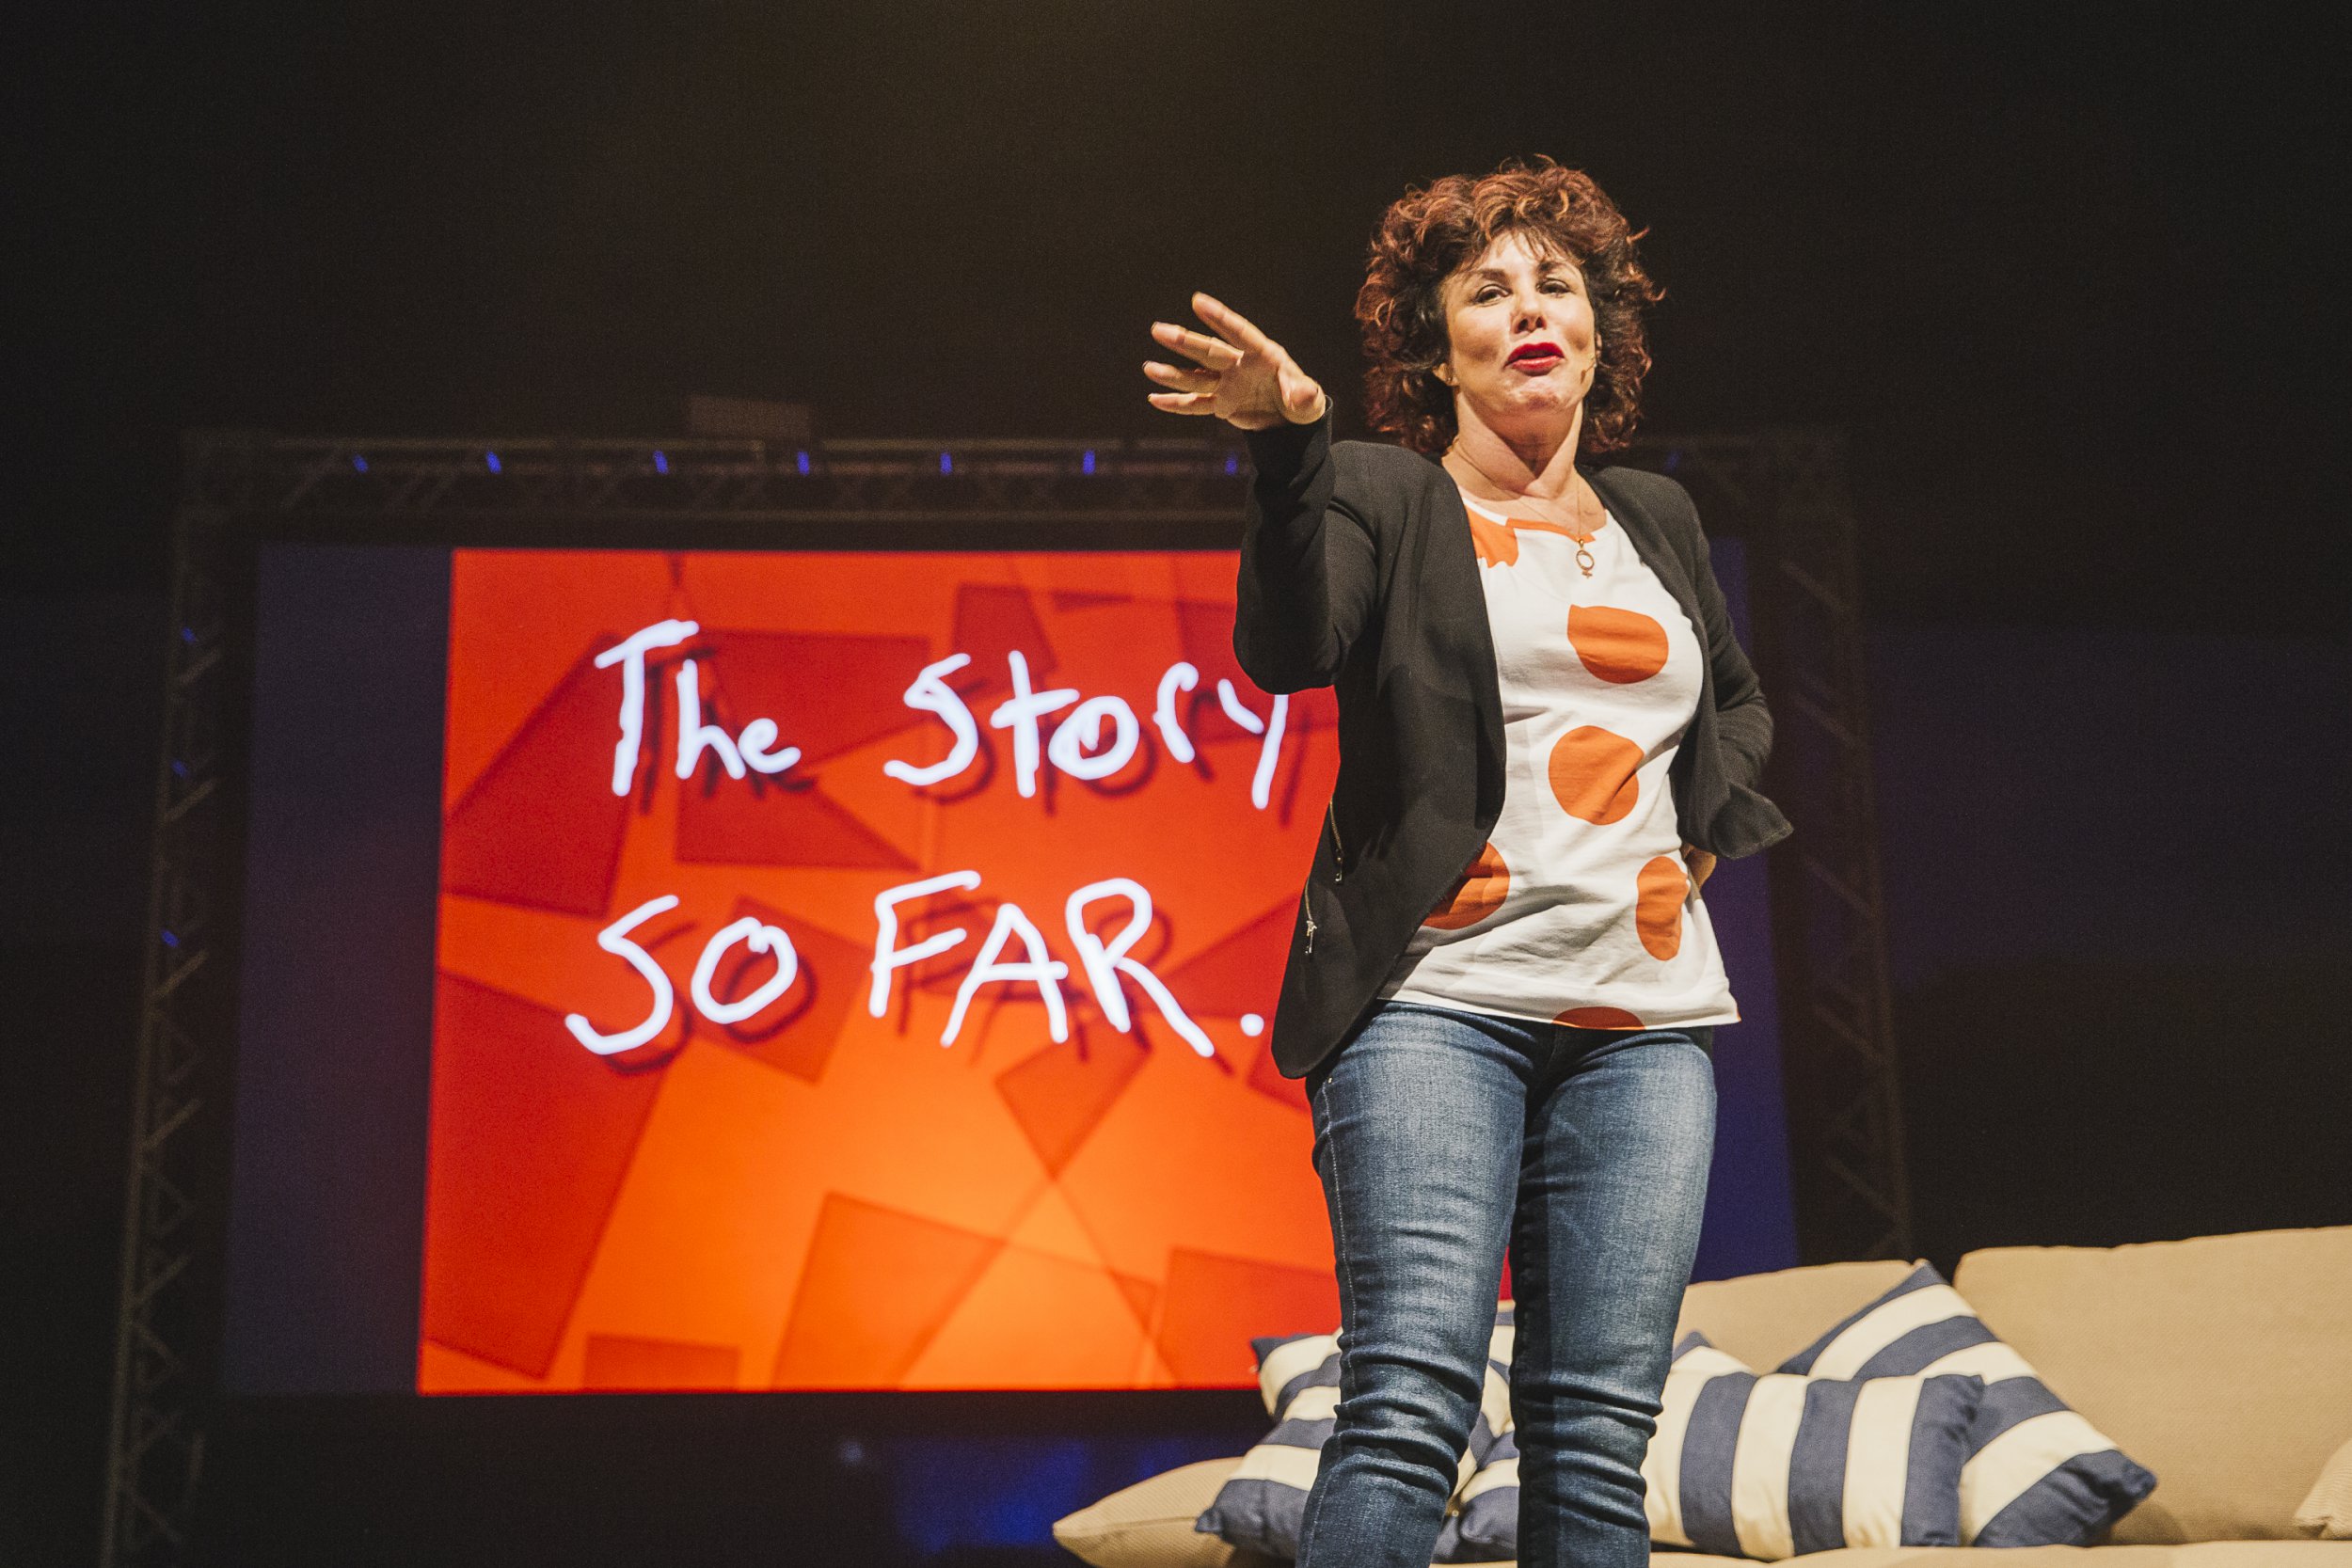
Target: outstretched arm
1306 562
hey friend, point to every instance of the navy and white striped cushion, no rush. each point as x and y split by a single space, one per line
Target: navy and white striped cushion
1486 1529
1768 1466
2037 1473
1486 1507
1263 1504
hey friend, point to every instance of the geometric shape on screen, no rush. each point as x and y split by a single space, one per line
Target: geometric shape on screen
1078 598
1241 972
1034 1320
796 1033
1058 1094
518 1108
942 973
443 1370
828 693
876 1285
1141 1294
1205 632
619 1363
990 622
1215 1304
506 841
760 822
1052 1226
1266 1076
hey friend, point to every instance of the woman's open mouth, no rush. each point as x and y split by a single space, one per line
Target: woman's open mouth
1535 359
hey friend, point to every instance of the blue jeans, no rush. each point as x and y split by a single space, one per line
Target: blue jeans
1439 1135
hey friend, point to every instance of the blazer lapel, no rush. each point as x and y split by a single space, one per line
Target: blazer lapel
1451 589
1650 544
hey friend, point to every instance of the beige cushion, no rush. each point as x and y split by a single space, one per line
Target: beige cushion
1764 1319
2222 1362
1149 1525
2209 1554
2327 1511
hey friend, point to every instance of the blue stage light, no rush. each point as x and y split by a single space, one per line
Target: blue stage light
358 464
947 463
1233 462
171 939
491 458
804 456
1674 458
660 463
1086 464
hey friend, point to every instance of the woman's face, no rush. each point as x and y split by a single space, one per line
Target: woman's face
1521 347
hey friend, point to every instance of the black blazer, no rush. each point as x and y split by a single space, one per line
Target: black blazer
1358 572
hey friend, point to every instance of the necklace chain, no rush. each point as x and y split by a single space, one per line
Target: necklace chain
1579 531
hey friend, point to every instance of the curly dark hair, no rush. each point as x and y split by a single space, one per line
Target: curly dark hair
1427 235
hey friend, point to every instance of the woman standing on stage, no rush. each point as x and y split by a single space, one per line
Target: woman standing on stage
1502 983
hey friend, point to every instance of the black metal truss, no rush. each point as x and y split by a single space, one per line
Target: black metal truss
175 1196
1783 491
873 481
1786 492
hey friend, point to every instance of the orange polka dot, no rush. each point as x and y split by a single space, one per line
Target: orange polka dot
1592 774
1478 894
1657 906
1599 1018
1497 545
1620 646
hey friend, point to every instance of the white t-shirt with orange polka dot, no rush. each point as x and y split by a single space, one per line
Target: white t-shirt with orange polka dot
1579 910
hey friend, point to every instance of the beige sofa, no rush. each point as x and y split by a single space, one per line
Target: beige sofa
2222 1363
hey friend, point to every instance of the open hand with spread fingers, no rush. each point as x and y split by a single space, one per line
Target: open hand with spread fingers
1241 375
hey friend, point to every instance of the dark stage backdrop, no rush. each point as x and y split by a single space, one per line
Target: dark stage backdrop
589 1038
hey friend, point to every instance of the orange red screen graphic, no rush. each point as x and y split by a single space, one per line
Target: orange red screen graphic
854 972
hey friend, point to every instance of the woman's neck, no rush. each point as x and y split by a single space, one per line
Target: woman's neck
1538 463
